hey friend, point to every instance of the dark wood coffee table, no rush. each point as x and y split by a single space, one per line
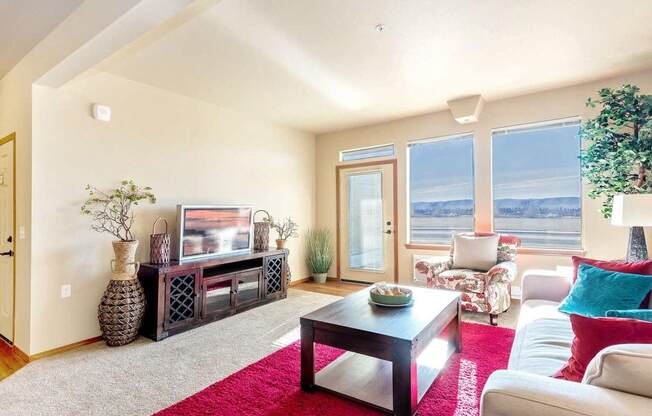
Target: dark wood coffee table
393 354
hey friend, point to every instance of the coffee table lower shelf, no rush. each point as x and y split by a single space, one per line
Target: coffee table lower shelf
368 380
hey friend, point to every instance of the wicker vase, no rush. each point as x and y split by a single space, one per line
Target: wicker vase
125 258
123 305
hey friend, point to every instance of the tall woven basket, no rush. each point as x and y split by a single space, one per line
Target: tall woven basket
121 311
122 308
261 232
159 245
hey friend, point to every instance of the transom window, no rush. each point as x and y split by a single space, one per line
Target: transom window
367 153
440 189
537 184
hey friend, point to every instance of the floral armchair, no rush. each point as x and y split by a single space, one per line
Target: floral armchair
488 292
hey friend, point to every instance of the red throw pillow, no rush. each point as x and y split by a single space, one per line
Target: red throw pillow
634 267
594 334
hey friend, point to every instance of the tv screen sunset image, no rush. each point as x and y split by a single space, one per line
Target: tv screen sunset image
215 230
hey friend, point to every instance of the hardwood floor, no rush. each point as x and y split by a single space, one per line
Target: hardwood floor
9 361
331 287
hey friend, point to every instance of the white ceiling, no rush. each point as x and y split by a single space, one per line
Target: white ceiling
319 65
25 23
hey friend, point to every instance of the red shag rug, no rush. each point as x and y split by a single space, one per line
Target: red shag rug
270 387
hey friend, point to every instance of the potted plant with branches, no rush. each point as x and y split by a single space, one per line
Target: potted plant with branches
618 154
284 229
123 304
319 254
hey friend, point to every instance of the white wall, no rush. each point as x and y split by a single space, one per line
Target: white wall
188 151
601 240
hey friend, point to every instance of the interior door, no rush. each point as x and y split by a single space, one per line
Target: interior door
7 240
366 222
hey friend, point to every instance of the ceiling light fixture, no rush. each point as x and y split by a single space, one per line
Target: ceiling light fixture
380 27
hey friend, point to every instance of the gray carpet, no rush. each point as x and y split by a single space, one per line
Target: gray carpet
146 376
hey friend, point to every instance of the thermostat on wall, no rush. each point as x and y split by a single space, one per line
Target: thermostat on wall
101 112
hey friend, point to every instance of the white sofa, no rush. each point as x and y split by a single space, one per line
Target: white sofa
618 382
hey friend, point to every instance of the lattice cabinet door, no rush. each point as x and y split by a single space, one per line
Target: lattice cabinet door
274 275
182 298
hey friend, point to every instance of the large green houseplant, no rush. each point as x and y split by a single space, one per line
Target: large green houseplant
617 158
618 155
319 253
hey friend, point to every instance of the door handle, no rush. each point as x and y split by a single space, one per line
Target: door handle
9 253
388 232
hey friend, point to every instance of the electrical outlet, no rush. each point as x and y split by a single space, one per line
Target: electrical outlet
66 291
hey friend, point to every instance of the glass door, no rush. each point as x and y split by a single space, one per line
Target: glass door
217 295
366 223
248 287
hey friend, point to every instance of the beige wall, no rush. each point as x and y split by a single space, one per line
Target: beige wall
601 240
16 117
188 151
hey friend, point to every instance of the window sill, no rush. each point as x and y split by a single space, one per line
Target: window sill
551 251
435 247
521 250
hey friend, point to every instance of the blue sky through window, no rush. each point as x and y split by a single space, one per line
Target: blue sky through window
442 170
541 163
441 189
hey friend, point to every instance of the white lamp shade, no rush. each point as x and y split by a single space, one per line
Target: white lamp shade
633 210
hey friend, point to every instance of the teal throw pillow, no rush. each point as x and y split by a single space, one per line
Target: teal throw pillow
640 314
597 291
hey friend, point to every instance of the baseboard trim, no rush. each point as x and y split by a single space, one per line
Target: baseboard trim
299 281
309 279
54 351
20 354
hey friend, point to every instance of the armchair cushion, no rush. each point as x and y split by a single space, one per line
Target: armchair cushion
475 252
625 368
464 280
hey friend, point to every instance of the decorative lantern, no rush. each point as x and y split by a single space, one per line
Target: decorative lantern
159 245
261 232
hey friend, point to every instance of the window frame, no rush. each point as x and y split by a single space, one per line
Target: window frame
561 122
408 228
376 146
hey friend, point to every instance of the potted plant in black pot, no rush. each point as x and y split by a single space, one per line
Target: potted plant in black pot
319 254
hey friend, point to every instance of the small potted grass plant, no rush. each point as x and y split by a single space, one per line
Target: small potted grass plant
319 253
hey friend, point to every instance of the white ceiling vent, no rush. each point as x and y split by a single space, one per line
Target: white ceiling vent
466 110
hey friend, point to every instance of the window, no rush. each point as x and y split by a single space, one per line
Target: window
367 153
537 185
440 189
366 228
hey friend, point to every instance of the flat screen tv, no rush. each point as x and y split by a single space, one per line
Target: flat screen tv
213 230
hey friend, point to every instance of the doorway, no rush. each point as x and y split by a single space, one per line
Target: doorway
367 243
7 243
